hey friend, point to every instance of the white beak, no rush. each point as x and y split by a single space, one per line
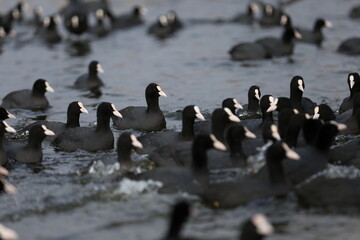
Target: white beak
340 126
7 233
135 142
47 131
291 154
116 112
274 132
328 24
11 115
8 128
99 69
232 117
263 227
161 92
217 144
297 34
3 172
48 87
249 134
237 105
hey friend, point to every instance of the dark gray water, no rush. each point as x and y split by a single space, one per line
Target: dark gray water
193 67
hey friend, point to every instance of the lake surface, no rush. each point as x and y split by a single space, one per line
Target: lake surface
57 200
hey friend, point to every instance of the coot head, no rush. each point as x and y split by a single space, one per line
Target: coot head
73 112
320 23
297 87
232 104
353 81
41 86
289 34
257 227
324 112
107 110
268 104
39 132
95 67
201 144
6 127
51 22
4 114
126 142
152 94
138 11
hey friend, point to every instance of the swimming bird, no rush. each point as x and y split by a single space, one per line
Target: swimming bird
270 183
49 31
29 99
296 100
4 127
73 114
252 108
149 118
31 152
90 80
90 139
314 36
353 81
155 140
350 46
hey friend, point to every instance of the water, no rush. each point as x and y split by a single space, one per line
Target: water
56 200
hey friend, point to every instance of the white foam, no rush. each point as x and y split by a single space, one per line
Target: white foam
130 187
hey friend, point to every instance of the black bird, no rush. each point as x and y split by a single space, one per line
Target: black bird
73 114
174 21
179 153
31 152
149 118
324 112
175 178
353 81
257 227
155 140
248 51
314 36
180 214
252 108
277 47
271 16
75 17
270 183
330 192
125 144
161 28
296 100
27 98
247 17
90 80
90 139
100 29
230 103
49 32
314 157
351 117
350 46
132 19
268 104
6 21
4 127
235 157
355 12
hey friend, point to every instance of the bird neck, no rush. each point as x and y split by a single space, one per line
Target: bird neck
275 171
73 120
124 158
199 165
103 122
153 104
187 127
253 104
